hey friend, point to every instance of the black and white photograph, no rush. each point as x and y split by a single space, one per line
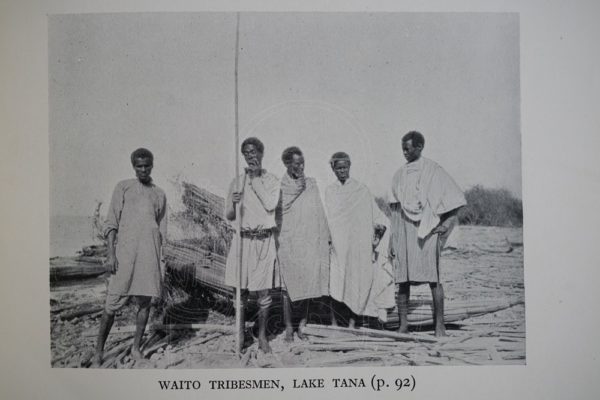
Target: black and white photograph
248 190
343 199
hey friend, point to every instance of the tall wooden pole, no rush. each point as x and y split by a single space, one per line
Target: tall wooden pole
238 212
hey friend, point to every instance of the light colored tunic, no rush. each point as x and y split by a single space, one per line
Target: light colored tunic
352 214
303 240
416 260
421 192
138 213
259 256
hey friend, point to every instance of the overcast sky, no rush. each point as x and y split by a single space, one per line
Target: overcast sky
327 82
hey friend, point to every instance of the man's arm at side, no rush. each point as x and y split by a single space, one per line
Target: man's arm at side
447 222
111 263
111 226
162 225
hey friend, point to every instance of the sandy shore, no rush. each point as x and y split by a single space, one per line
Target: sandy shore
487 264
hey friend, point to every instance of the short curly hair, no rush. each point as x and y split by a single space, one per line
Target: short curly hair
339 156
416 137
141 153
288 154
255 142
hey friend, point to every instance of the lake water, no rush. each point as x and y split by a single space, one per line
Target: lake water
68 234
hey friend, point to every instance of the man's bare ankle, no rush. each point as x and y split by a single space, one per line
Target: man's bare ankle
289 334
263 344
439 332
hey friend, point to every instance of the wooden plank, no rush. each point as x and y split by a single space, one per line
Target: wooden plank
368 332
345 347
80 313
337 360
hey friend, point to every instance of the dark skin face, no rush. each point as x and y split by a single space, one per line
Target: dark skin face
143 169
411 153
253 158
295 168
341 169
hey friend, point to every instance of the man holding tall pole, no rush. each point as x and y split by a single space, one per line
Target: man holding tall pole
252 204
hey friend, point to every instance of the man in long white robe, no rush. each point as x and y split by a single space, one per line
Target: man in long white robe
356 224
304 237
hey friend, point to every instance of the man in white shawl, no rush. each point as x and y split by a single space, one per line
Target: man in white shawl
424 201
303 241
358 277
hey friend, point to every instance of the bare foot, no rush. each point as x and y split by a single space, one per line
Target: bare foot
96 361
403 329
301 335
440 331
136 354
301 327
263 344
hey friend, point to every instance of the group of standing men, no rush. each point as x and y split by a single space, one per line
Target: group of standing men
347 250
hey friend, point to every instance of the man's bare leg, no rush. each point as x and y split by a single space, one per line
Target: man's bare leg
140 326
332 307
106 323
437 292
351 322
242 313
264 301
403 297
302 324
287 317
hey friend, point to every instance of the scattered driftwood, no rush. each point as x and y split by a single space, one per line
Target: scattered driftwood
200 340
321 330
87 305
344 347
350 340
337 360
169 327
68 268
151 340
464 360
80 313
165 341
174 363
420 311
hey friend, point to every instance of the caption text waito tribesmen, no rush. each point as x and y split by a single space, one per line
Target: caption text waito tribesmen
374 383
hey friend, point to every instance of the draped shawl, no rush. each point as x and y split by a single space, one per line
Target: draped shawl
303 240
